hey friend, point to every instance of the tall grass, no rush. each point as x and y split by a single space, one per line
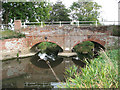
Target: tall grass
102 72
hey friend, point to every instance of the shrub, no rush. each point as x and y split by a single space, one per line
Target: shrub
116 30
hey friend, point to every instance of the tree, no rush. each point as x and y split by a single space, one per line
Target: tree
25 11
85 11
59 12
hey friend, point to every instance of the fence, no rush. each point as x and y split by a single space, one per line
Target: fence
6 26
60 23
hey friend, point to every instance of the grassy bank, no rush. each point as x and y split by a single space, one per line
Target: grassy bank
10 34
102 72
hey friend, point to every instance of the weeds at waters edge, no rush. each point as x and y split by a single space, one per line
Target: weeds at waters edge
100 73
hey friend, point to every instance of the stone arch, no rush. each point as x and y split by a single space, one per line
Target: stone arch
35 44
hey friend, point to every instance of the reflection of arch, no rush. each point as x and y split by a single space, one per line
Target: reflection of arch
34 45
42 63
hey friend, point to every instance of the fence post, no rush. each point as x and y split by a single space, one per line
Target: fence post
24 25
41 24
78 24
60 24
96 23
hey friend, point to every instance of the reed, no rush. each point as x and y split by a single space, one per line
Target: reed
102 72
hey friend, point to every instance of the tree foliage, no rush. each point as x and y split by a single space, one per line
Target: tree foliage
85 11
59 12
25 11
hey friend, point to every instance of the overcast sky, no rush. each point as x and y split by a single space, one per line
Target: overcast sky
109 10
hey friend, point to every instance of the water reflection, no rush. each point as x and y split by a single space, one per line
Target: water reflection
34 73
39 60
78 62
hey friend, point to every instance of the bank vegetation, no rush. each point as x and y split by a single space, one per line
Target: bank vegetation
101 72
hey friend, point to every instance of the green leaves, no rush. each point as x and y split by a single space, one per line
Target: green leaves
97 74
59 12
85 11
25 10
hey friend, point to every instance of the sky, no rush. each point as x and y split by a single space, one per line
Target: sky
109 10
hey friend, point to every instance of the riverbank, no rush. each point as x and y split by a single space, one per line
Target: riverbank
9 55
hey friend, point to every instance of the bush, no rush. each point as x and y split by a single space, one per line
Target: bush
116 30
102 72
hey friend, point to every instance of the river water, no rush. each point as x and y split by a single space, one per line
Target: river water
31 72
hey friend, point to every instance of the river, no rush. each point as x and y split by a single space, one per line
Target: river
31 72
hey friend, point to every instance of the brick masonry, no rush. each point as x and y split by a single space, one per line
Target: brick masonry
66 37
17 24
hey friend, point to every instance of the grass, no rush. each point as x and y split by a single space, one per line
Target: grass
102 72
10 34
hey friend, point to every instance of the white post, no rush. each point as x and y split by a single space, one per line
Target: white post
78 24
41 24
96 23
60 24
71 22
24 25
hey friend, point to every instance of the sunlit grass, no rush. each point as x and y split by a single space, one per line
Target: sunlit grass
102 72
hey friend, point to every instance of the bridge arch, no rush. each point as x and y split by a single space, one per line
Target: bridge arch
32 48
97 44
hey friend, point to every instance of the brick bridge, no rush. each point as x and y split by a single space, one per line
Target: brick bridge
68 36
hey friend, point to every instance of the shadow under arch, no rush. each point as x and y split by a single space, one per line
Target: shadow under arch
89 55
97 48
51 52
97 45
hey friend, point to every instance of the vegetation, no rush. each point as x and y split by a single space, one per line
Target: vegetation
10 34
102 72
85 11
59 12
116 30
45 11
48 47
25 11
84 50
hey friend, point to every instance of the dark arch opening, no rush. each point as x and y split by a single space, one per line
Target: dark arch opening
35 49
46 51
97 48
86 50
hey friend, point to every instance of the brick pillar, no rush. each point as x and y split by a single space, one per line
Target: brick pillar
17 25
